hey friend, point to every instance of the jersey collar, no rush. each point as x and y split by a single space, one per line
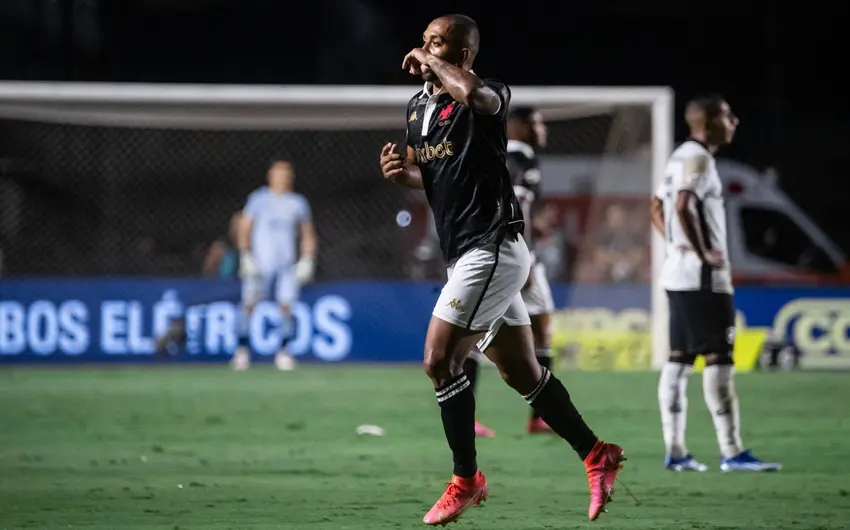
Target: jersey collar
524 148
700 142
426 89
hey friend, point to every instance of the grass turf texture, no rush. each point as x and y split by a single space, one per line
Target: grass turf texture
204 448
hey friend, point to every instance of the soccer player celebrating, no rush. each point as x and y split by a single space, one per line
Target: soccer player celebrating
456 152
273 220
526 132
688 211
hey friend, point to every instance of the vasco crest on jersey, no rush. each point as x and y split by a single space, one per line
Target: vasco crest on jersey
444 115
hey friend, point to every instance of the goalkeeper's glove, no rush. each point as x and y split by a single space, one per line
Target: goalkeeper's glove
248 265
304 270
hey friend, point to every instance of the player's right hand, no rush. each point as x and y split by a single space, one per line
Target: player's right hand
392 163
714 258
248 266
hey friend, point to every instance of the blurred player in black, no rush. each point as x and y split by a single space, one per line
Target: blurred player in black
526 133
456 152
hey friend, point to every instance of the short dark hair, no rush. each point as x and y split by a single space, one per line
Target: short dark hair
278 160
467 30
521 113
709 103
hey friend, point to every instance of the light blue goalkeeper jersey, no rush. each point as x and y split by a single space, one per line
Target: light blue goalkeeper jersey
277 220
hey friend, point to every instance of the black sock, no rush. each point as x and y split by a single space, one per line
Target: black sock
545 361
457 409
470 368
552 401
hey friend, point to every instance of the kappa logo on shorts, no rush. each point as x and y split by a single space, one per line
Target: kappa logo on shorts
456 305
730 335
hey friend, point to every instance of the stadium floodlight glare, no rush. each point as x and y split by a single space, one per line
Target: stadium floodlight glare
254 108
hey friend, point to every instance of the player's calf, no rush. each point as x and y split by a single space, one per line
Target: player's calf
541 333
284 360
722 401
446 347
718 386
241 359
470 369
673 403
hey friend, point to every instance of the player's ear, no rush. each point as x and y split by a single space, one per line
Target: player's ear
466 54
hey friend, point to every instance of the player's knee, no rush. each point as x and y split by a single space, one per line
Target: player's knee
681 357
719 359
437 364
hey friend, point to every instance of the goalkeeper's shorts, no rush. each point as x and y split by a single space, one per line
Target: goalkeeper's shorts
280 286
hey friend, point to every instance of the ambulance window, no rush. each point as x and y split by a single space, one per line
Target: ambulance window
772 235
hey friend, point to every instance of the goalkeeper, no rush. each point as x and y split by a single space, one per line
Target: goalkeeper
274 219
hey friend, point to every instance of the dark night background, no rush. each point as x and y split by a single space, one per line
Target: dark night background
780 65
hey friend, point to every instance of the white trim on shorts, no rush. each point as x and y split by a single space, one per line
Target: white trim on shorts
538 297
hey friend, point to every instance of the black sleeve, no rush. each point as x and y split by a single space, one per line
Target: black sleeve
524 171
517 163
407 119
504 96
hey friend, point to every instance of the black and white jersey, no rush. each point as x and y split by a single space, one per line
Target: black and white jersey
525 175
462 157
692 167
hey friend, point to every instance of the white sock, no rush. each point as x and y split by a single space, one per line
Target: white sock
673 402
718 387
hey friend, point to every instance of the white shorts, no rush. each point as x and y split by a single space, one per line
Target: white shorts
538 297
483 289
281 286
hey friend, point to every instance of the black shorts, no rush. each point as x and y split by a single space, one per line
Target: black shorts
701 322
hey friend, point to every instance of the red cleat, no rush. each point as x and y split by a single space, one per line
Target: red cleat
460 494
483 432
602 464
538 426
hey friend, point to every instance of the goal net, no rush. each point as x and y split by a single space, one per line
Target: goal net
107 179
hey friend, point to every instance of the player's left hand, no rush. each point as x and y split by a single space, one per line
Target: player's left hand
248 268
414 61
304 270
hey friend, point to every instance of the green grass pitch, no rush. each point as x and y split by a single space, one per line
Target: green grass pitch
203 448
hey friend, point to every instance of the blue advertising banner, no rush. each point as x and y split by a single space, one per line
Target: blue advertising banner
58 320
814 320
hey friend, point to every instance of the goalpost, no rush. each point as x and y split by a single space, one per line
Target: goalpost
100 178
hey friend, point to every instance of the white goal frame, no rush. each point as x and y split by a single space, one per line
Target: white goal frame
259 107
